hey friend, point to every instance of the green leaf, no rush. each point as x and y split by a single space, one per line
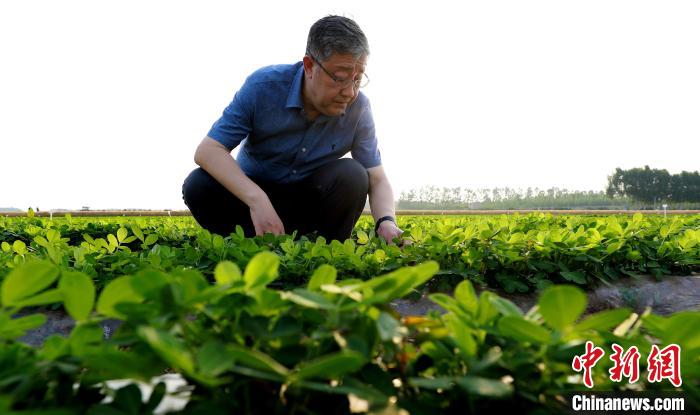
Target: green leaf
561 305
85 337
398 283
380 255
256 359
213 359
52 296
331 366
192 283
151 239
168 347
436 350
6 247
117 291
446 302
485 387
217 241
261 270
41 241
78 294
149 282
487 311
614 246
682 329
128 399
27 280
362 237
349 247
88 239
604 320
657 324
226 272
123 364
576 276
19 247
136 230
466 296
324 274
389 328
506 307
112 240
122 233
523 330
268 301
155 398
462 336
54 347
309 299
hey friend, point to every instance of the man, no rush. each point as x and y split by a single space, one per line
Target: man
295 122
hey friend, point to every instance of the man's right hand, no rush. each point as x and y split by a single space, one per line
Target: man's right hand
216 159
265 218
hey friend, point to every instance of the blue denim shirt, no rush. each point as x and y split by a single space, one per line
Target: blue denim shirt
279 144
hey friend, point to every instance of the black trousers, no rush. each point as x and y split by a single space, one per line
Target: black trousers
328 202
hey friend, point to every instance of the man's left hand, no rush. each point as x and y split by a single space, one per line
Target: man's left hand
388 230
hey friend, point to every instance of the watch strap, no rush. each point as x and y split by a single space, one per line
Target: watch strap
382 219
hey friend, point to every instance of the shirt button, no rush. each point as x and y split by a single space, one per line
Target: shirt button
294 171
303 150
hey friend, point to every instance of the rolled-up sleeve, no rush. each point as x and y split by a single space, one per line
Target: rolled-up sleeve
236 122
364 146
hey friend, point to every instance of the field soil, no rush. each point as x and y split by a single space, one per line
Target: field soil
665 296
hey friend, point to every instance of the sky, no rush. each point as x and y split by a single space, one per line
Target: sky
103 103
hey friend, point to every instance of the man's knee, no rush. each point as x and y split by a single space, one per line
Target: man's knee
353 176
196 185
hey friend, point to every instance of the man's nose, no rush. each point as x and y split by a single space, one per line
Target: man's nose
348 91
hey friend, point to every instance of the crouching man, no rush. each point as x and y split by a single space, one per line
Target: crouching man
294 123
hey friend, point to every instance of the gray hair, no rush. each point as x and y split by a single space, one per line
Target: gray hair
336 34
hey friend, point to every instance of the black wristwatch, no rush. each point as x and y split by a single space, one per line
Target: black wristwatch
382 219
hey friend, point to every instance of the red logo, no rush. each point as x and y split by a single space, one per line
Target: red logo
626 364
586 362
665 364
661 364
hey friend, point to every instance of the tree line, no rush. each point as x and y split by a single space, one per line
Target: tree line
627 189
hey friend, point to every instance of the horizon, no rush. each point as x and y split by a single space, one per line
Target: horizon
522 192
397 199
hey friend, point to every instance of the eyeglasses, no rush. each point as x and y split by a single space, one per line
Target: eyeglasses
344 83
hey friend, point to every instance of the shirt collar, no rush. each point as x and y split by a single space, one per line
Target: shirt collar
294 98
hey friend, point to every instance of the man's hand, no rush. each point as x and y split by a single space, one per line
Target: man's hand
265 218
388 230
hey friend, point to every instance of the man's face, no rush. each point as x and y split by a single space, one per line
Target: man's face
326 95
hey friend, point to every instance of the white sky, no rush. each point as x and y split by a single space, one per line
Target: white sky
102 103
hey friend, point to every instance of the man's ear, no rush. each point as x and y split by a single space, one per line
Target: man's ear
308 66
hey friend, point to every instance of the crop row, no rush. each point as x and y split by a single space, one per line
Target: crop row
515 253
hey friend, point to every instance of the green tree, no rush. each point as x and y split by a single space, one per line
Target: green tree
643 184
